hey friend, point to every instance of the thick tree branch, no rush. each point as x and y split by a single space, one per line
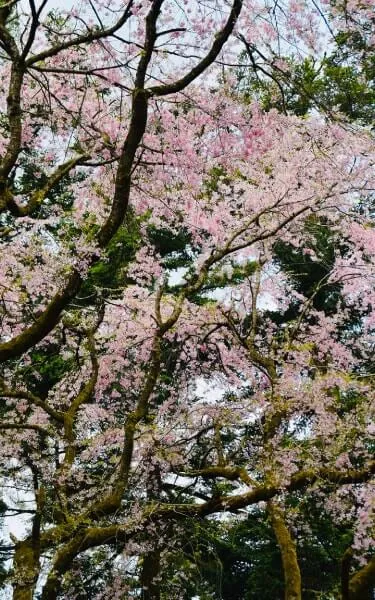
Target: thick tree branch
15 128
137 127
24 427
95 536
43 324
297 481
220 38
33 399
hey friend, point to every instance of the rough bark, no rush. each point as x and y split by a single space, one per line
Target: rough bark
292 574
26 569
362 584
149 576
345 573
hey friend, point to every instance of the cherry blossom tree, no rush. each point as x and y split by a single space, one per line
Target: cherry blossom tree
158 366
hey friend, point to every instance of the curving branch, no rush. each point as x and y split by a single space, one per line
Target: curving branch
83 397
37 197
137 127
361 585
220 38
225 472
33 399
262 492
23 427
43 324
85 38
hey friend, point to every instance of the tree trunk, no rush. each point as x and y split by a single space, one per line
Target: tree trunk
150 572
345 573
362 584
292 575
26 570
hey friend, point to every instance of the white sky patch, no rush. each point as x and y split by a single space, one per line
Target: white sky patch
211 391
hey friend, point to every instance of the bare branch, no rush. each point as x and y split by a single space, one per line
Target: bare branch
85 38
